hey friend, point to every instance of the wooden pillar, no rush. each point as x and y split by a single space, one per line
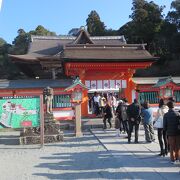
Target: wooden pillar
130 85
78 130
84 105
41 121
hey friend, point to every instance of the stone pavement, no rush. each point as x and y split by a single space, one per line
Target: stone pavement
96 155
141 161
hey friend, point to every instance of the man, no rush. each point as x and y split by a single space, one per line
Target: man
121 112
134 119
171 124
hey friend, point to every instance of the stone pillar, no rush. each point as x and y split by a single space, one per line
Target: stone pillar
78 130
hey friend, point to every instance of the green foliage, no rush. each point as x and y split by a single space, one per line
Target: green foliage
146 22
41 31
174 15
21 42
20 46
94 25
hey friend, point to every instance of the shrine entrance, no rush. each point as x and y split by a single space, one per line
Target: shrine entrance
102 77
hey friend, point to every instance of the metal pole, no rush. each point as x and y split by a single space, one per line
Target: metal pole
41 121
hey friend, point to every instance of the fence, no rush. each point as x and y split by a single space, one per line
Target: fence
62 101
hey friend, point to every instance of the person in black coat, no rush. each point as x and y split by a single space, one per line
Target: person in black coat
107 115
171 124
134 119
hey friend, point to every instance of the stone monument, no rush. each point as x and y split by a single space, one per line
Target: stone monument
52 132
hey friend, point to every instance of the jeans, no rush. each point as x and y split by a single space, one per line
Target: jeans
109 121
131 125
149 132
162 140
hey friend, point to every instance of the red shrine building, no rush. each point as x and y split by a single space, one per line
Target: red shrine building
102 63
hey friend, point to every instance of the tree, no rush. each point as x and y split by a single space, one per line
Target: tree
94 25
21 42
174 16
147 18
41 31
146 23
73 32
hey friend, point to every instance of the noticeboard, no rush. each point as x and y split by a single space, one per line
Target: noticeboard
19 112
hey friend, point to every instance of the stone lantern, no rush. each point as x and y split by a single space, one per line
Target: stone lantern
76 90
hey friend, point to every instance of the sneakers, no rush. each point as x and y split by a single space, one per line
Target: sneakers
176 162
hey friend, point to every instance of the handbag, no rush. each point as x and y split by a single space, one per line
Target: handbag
159 122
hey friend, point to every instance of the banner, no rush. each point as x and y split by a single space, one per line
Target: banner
19 112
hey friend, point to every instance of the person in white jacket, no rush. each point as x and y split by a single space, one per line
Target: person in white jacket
158 123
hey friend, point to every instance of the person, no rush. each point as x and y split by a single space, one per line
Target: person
118 116
102 101
134 119
171 123
121 112
114 103
107 115
147 115
96 103
48 94
124 115
162 137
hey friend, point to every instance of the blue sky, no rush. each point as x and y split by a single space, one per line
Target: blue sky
61 16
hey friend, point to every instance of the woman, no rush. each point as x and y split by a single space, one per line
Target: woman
107 115
147 114
162 138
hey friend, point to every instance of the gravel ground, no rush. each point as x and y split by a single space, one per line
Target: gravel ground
75 158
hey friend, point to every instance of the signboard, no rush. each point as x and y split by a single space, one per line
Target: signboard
19 112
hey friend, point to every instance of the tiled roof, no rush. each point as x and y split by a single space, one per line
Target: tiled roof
95 52
152 80
163 81
45 46
18 84
83 48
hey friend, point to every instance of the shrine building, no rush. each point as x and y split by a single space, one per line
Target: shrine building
102 63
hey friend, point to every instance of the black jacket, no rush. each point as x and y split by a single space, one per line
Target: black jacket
121 110
108 112
171 122
134 111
